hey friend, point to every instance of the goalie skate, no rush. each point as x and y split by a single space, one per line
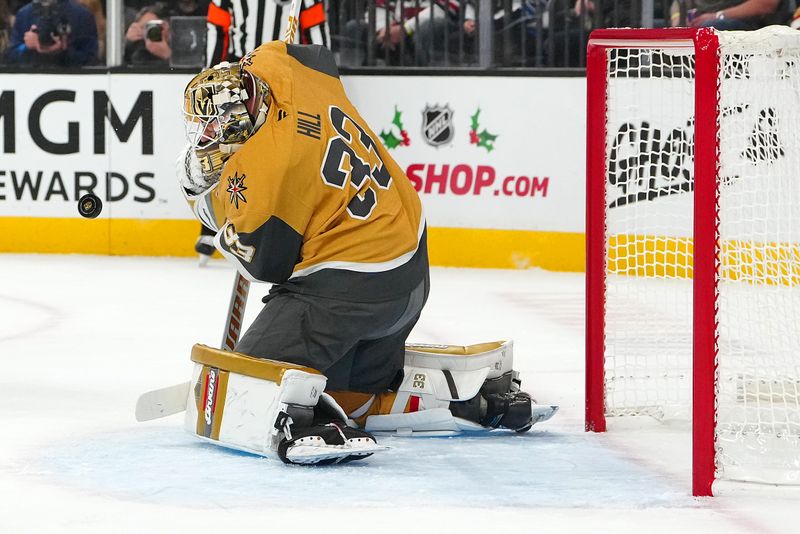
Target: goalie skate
333 443
542 412
204 248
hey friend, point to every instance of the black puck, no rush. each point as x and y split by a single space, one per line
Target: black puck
90 206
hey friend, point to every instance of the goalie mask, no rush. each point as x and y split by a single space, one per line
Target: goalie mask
223 107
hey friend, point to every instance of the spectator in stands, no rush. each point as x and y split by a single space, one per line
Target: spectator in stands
736 14
147 38
613 14
6 22
407 33
571 21
434 25
96 9
188 8
514 29
355 40
59 33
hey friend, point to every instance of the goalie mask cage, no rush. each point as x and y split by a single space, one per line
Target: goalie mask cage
693 242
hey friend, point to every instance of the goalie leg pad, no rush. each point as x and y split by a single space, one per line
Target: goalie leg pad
451 388
497 356
267 407
236 400
423 400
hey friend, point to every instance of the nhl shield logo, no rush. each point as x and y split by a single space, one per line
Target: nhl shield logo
437 125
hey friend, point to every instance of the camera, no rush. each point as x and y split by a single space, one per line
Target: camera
154 30
51 20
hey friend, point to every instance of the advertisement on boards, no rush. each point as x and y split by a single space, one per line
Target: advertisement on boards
483 152
116 136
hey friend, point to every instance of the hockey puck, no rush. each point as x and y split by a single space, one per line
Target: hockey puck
90 206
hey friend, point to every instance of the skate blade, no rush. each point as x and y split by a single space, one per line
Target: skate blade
311 454
542 412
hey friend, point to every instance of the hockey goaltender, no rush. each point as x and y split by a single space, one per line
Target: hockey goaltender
300 194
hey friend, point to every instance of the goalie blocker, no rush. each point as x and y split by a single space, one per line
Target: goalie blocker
269 407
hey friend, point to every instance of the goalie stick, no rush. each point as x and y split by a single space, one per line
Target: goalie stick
172 399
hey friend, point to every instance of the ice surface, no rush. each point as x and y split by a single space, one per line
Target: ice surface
81 337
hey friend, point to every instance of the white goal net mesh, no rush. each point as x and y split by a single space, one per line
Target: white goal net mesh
649 229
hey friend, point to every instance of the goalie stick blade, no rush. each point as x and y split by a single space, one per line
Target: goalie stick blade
162 402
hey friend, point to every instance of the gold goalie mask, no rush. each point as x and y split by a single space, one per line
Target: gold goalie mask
223 107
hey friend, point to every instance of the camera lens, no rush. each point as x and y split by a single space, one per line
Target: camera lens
154 33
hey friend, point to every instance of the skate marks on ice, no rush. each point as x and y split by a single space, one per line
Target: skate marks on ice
21 318
162 464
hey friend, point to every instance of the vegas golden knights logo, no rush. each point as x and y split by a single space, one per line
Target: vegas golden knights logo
236 189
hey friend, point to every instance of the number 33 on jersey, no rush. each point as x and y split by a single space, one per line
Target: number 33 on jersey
312 194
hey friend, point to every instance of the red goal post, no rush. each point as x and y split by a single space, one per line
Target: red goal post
693 222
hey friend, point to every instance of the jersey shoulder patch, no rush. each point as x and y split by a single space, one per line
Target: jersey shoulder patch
315 57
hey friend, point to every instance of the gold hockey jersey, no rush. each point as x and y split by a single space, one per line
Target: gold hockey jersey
313 201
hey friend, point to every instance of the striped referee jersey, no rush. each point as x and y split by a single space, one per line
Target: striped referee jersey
236 27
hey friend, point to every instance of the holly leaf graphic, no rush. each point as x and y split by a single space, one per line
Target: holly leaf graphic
397 120
474 119
486 140
390 140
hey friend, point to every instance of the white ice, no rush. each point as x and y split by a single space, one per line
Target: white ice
81 337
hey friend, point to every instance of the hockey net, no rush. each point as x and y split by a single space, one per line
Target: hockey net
659 332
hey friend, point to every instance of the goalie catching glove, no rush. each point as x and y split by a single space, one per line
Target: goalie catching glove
270 408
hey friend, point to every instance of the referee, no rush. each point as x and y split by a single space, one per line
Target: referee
235 27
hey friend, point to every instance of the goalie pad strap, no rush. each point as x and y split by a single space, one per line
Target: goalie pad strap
363 409
436 388
451 384
245 365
